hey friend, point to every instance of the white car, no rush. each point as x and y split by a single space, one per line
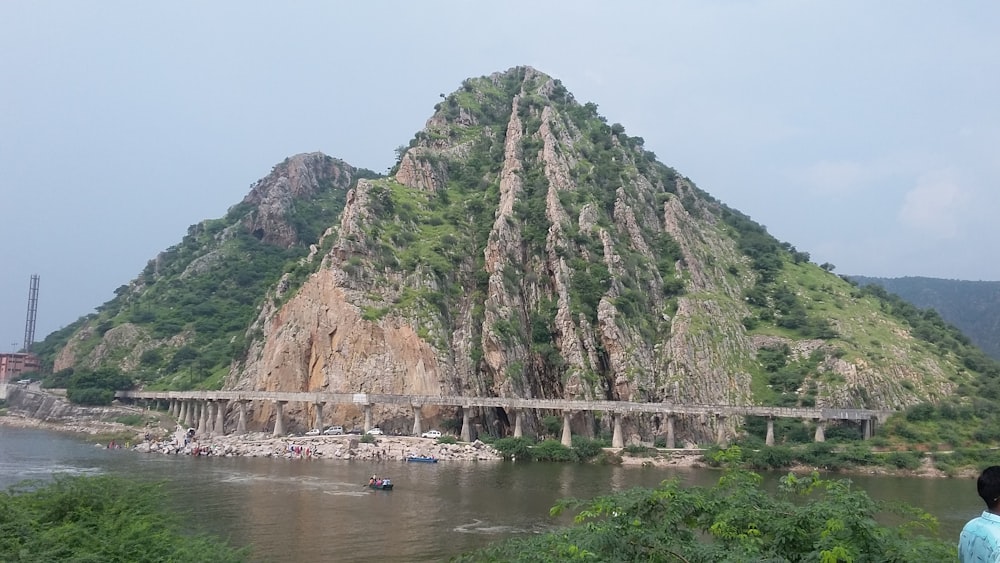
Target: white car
431 434
375 431
313 432
334 430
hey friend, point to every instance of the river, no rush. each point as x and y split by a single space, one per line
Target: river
318 510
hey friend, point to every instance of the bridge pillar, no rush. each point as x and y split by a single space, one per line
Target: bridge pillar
368 417
279 418
567 435
466 424
769 439
671 442
820 424
202 418
208 415
241 423
866 429
319 417
720 431
417 428
616 434
186 413
220 416
518 431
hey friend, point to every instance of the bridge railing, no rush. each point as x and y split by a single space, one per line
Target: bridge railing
513 403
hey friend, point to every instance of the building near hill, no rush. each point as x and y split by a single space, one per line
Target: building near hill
15 364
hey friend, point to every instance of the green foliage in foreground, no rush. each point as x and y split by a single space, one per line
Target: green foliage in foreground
99 519
808 519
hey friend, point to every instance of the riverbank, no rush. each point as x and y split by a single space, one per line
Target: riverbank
91 427
259 444
342 447
166 441
694 458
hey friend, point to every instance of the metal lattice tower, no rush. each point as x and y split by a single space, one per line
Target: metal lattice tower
29 323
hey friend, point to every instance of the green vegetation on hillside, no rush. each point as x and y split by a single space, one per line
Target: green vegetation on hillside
972 306
190 308
441 235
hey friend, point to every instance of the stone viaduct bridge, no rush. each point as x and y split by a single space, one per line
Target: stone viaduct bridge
207 409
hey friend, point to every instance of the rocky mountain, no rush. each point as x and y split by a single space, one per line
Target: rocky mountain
180 322
521 247
972 306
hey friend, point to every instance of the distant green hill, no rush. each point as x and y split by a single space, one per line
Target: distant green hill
972 306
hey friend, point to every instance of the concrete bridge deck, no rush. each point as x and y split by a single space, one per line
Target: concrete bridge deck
620 407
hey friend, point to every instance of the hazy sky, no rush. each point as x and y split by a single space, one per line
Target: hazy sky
865 133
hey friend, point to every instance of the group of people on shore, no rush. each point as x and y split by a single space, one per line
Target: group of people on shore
301 451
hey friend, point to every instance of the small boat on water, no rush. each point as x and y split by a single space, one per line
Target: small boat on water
422 458
381 485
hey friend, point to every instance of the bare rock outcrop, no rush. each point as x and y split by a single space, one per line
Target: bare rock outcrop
296 178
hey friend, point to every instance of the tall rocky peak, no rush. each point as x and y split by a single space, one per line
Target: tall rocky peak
297 179
524 247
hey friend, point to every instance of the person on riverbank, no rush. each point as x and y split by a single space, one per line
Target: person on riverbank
979 541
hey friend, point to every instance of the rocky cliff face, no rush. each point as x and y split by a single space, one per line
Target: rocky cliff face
525 248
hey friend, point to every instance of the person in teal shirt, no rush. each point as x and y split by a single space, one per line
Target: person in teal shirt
979 541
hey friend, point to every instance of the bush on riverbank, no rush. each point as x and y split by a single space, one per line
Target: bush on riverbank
954 462
102 518
583 449
821 455
89 387
807 519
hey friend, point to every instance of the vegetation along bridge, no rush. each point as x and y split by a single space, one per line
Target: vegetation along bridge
208 408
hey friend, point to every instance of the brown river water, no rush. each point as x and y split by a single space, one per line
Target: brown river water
319 510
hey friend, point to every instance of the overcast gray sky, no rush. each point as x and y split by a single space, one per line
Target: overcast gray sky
865 133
